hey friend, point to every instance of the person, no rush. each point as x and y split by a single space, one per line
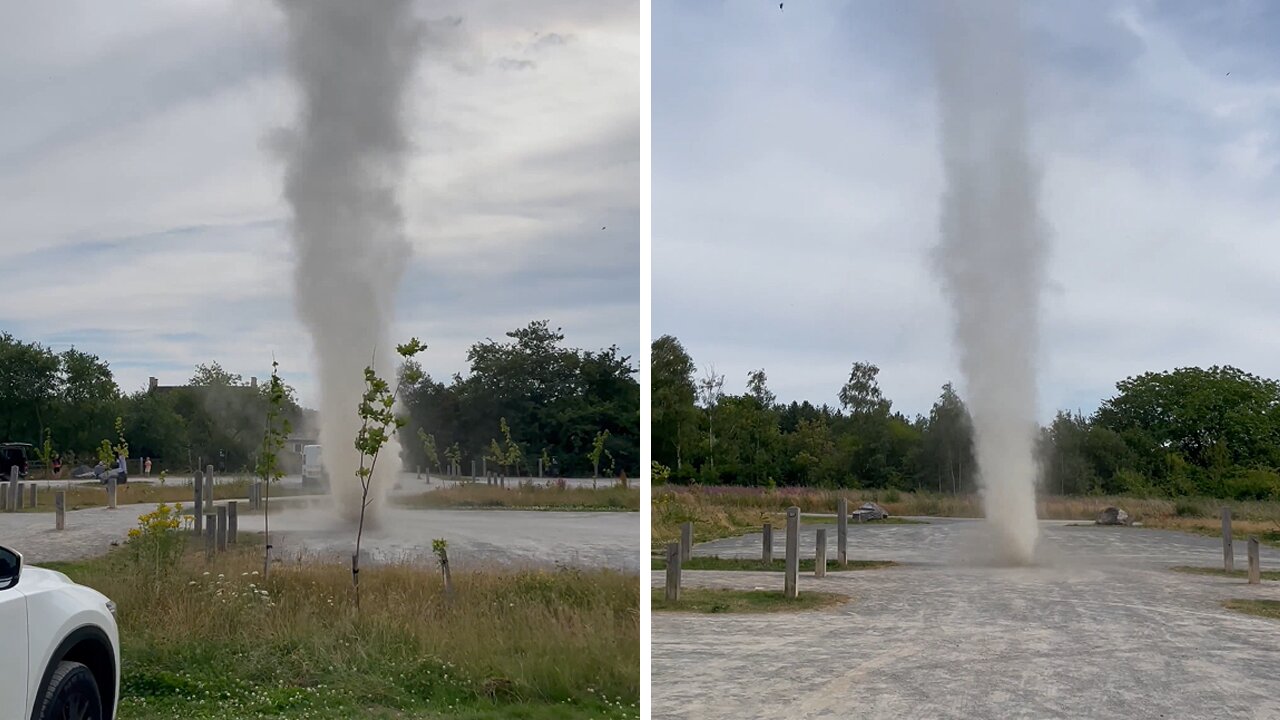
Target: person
146 467
57 466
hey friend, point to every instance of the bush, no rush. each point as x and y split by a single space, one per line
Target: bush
1257 484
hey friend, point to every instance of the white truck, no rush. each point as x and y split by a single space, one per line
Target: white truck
59 646
312 466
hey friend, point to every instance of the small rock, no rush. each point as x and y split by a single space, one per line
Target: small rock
1113 516
870 511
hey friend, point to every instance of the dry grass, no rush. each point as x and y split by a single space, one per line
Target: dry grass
217 641
725 511
527 497
87 494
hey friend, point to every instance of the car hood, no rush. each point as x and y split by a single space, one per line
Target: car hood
38 578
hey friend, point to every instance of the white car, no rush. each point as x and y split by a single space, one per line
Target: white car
59 646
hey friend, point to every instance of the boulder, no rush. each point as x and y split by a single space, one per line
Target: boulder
869 511
1114 516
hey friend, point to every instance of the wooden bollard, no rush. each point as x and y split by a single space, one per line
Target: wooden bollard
208 486
842 532
197 505
221 513
33 496
686 541
60 510
673 572
111 493
4 498
210 534
766 544
19 497
1255 561
820 554
1228 552
12 490
790 584
232 526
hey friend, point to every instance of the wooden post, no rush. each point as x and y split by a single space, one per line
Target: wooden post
766 545
419 472
60 510
686 541
210 534
4 499
12 491
111 493
484 466
842 532
1228 551
790 587
222 528
673 572
820 555
473 468
208 486
19 497
197 508
232 524
1255 562
33 495
539 468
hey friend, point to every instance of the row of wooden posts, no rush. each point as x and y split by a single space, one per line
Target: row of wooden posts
1229 553
682 551
678 553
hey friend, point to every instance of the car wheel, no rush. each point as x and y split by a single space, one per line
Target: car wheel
72 694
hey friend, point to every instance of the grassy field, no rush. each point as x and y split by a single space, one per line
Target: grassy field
726 511
1261 608
479 495
778 565
87 494
1219 572
699 600
216 640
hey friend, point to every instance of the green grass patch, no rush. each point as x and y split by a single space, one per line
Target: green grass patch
1219 572
1261 608
701 600
778 565
215 640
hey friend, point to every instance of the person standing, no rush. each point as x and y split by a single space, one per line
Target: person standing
146 467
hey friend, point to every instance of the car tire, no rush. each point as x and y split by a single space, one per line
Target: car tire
72 694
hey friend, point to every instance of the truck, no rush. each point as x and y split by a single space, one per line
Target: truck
313 472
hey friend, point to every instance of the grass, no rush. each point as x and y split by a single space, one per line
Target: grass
1261 608
215 640
726 511
528 497
83 494
1219 572
778 565
831 521
700 600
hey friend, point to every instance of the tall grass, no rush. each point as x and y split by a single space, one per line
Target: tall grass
527 496
208 635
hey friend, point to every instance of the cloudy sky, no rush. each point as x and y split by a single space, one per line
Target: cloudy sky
796 184
141 215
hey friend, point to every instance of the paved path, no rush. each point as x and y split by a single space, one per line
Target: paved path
1099 629
608 539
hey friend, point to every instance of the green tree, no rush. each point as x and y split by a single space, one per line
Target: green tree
672 400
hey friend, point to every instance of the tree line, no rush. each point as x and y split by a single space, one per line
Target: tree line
1187 431
577 408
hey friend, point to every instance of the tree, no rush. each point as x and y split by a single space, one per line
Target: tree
672 400
428 450
947 453
758 388
710 390
861 393
276 429
377 421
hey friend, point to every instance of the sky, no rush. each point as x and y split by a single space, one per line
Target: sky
141 210
797 181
